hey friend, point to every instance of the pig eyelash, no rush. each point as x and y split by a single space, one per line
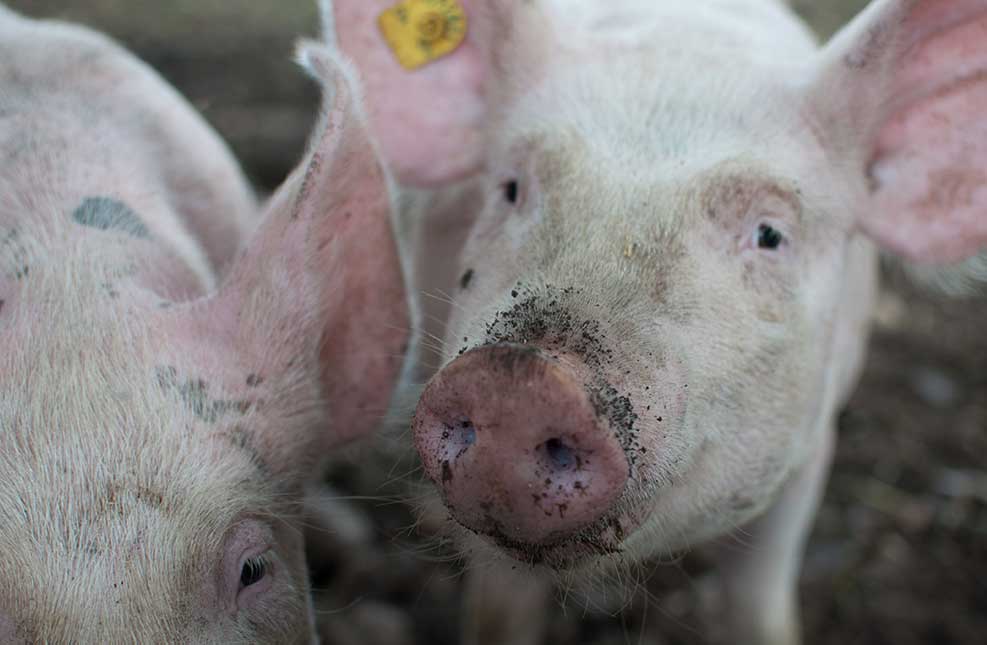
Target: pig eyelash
254 570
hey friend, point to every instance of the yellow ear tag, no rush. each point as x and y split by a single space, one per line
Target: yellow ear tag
420 31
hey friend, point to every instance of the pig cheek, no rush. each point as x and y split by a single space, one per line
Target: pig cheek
292 548
662 447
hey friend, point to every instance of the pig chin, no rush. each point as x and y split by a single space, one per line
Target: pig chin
588 547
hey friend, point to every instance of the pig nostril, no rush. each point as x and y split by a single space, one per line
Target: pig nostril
467 432
460 435
560 455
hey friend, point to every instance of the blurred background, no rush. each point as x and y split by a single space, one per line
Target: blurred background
899 550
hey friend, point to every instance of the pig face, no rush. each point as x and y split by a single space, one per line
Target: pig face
153 452
689 305
664 294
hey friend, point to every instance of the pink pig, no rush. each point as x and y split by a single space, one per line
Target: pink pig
166 396
659 223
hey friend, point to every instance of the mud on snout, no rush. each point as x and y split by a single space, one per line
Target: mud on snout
527 437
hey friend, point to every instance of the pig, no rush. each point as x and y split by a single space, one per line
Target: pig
173 371
651 231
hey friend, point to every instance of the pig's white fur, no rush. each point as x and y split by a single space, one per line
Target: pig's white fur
729 113
83 511
116 497
630 109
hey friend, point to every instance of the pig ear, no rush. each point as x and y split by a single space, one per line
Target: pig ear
321 278
904 93
429 118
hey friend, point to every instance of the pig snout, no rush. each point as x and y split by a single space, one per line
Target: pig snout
511 436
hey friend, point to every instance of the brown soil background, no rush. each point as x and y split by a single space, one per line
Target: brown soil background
899 551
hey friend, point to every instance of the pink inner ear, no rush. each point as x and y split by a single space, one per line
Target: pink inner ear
428 120
930 166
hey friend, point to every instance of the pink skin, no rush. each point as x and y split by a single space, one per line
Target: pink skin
928 148
513 439
453 119
171 387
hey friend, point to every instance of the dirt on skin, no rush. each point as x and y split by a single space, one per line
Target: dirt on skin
899 551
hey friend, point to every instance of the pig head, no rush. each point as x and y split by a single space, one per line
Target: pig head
156 432
663 298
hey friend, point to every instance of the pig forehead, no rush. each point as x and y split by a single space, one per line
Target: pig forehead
133 567
614 186
630 109
131 551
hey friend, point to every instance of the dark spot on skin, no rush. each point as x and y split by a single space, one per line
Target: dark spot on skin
742 503
446 472
464 282
14 255
110 291
254 380
241 439
113 500
2 302
150 497
861 57
618 411
194 394
308 185
106 213
873 183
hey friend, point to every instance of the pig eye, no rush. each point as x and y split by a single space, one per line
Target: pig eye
769 237
511 191
253 571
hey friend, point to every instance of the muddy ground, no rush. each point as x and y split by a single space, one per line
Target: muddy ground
899 552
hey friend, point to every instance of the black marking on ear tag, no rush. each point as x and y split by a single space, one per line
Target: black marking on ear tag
106 213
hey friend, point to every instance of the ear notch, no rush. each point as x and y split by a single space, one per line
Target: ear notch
910 79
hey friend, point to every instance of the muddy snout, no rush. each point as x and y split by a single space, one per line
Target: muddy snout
511 436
